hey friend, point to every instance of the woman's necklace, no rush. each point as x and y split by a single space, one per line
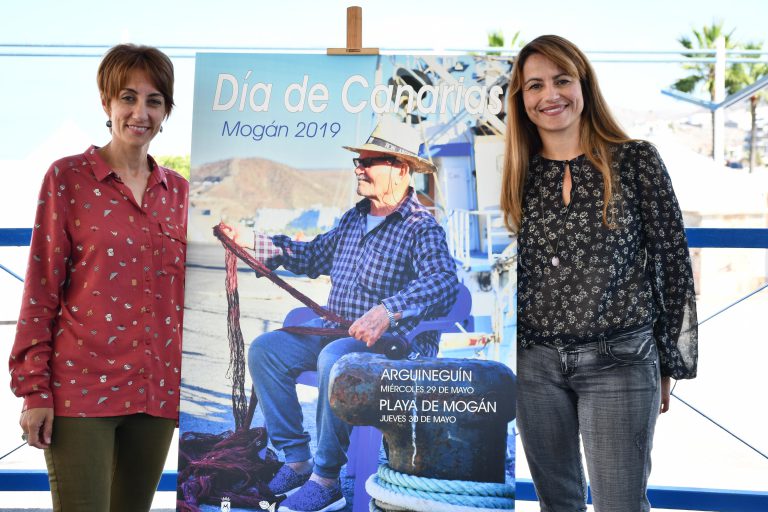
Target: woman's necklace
555 255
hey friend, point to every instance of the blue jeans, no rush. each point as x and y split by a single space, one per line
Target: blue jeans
607 391
275 359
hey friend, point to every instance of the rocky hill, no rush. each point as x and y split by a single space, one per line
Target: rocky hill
236 188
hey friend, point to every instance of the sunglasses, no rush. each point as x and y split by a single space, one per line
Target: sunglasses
374 160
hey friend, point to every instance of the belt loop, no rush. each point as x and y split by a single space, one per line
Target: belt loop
602 348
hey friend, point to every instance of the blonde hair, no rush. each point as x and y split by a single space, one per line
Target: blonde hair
598 128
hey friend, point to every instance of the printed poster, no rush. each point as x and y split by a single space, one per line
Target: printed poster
268 157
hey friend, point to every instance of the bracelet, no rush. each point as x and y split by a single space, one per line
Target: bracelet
391 316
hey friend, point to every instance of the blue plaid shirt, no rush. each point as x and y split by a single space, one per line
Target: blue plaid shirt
403 263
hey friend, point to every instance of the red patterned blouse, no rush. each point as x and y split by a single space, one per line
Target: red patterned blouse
99 333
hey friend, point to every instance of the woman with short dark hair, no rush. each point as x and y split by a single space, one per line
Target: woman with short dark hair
97 353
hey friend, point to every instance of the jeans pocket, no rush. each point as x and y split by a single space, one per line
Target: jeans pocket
636 349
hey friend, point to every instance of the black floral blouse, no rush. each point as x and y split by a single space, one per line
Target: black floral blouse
579 280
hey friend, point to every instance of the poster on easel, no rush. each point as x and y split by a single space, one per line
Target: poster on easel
273 141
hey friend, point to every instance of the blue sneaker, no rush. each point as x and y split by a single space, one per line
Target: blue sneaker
313 497
287 481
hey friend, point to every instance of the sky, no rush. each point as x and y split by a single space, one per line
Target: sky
45 99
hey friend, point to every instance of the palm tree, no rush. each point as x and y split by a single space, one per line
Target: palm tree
704 72
746 75
496 40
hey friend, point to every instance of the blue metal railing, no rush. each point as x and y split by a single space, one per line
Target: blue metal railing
754 238
37 480
14 237
676 498
681 498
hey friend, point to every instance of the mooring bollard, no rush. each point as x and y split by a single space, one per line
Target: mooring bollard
441 418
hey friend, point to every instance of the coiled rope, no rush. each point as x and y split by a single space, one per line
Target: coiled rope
392 490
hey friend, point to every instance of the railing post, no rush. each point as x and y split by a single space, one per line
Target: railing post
718 115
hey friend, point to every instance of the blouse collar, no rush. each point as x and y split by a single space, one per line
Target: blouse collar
102 170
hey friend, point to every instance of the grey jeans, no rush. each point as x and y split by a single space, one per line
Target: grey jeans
609 392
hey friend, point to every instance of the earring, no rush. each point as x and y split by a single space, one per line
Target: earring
109 123
161 128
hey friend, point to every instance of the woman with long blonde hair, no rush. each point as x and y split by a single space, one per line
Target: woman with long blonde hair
606 303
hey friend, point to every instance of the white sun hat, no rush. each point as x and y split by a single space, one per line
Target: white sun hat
393 137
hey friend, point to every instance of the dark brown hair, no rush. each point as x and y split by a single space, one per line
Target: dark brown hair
122 59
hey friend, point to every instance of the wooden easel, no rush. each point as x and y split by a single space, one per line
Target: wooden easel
354 35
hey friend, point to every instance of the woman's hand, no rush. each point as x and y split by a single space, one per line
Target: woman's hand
666 386
37 425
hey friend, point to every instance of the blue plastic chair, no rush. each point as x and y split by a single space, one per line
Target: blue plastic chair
365 441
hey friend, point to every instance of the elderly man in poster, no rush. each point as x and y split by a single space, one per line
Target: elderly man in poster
390 268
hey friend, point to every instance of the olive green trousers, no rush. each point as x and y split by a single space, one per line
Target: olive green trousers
107 464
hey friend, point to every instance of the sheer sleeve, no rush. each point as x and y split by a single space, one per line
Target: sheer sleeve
669 267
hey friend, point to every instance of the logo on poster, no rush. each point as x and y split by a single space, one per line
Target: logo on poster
265 505
225 505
